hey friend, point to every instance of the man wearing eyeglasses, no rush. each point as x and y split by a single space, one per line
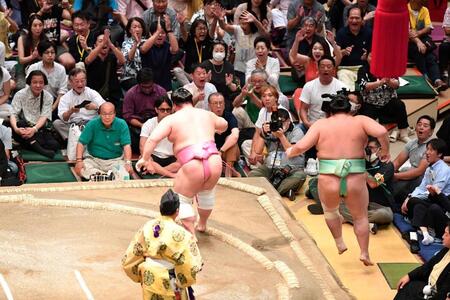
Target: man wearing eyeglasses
107 140
77 106
226 142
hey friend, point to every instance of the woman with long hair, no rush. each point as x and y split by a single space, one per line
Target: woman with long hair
27 46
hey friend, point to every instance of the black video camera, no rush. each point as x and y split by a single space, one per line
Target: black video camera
340 95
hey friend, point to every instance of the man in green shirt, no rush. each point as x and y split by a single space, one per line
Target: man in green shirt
107 140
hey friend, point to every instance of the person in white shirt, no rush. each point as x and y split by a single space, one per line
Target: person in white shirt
200 88
5 91
313 90
55 72
77 106
163 160
264 61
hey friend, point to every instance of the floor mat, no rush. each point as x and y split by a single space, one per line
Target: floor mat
49 173
29 155
386 246
417 88
394 271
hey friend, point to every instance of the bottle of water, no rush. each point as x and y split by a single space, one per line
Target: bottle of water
122 173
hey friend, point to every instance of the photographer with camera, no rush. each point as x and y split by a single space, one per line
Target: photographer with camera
277 135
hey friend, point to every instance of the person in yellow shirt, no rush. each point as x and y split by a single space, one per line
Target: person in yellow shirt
421 45
163 256
7 25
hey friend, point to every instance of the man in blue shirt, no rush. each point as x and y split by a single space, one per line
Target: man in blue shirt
417 206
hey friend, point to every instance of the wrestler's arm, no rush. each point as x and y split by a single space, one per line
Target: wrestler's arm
375 129
309 140
221 124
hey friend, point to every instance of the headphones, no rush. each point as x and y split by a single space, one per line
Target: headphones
36 73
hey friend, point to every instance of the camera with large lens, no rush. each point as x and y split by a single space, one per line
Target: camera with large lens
275 121
278 175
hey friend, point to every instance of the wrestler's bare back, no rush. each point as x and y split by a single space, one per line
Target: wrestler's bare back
342 136
190 126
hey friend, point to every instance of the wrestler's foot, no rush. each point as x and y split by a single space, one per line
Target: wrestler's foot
340 245
201 228
366 260
342 249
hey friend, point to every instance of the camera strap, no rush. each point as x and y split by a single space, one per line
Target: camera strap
274 158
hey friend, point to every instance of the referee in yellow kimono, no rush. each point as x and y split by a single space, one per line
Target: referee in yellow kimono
163 256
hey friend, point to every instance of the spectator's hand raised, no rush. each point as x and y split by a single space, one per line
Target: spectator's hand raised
167 21
330 37
245 90
106 38
46 6
219 13
248 17
369 16
301 34
82 41
136 38
181 18
259 65
301 11
228 79
8 12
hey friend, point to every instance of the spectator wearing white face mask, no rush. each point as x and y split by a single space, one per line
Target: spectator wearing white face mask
221 74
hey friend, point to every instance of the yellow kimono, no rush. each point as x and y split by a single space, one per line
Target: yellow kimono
162 245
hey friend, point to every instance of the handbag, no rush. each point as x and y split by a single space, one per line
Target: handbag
72 140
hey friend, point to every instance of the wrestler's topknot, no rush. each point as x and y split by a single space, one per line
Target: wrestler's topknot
181 96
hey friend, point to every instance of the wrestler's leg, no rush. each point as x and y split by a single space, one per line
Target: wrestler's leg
206 201
187 188
328 187
206 197
357 201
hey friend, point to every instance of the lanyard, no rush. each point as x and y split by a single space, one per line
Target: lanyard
199 52
81 51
